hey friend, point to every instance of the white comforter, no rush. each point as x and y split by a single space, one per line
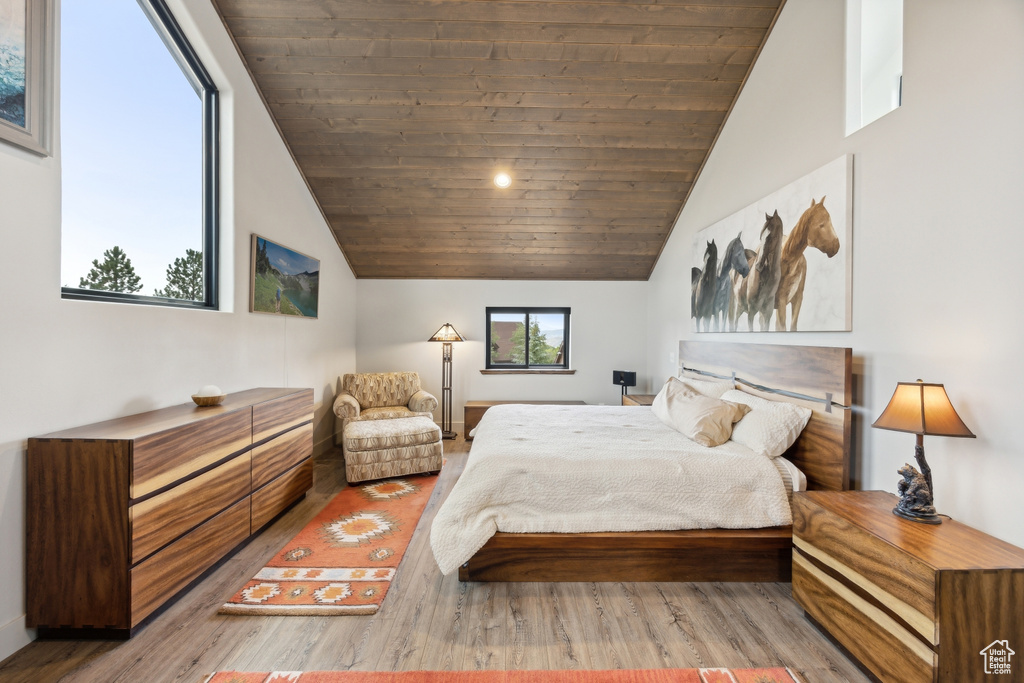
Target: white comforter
576 469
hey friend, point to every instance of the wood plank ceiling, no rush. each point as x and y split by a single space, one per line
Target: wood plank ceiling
400 112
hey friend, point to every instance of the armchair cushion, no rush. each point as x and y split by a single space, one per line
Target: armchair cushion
387 413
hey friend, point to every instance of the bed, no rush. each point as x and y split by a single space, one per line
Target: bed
818 378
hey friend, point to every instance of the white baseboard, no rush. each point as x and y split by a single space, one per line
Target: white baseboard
14 636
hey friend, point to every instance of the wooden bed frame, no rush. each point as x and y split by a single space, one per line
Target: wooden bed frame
817 377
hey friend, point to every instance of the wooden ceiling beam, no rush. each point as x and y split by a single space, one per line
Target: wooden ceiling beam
547 32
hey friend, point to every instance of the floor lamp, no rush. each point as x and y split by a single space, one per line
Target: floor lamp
447 334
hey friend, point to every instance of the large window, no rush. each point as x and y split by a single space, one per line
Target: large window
527 338
138 157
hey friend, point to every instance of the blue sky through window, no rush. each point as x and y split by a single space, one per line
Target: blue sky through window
131 143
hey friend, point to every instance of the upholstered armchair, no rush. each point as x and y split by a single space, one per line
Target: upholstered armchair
385 426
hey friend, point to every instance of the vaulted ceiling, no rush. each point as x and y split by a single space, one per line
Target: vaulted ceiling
399 113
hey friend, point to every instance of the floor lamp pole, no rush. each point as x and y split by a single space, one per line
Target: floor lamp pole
447 334
446 392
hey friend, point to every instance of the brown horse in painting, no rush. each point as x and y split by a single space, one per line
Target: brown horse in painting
757 290
814 229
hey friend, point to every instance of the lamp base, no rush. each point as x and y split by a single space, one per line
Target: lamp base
915 491
449 435
914 517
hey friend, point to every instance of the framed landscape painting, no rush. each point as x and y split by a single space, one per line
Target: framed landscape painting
783 264
283 281
26 73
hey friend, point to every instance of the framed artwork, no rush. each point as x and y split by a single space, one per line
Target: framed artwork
783 264
26 73
283 281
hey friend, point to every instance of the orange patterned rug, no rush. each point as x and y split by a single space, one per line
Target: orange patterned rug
778 675
344 560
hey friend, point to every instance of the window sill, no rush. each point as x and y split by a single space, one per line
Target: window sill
528 372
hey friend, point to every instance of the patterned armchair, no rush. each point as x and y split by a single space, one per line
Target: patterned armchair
385 426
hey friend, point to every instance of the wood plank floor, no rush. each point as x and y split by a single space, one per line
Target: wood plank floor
430 621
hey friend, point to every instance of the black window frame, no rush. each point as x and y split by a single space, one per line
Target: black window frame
181 49
527 311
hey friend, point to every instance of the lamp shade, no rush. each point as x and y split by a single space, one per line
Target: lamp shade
922 408
447 333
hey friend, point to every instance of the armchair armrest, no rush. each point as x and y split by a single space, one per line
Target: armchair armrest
346 406
422 402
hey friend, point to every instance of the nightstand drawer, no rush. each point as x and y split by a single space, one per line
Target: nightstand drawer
886 647
898 580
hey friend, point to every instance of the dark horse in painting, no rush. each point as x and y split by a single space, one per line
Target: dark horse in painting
814 229
704 290
756 292
735 260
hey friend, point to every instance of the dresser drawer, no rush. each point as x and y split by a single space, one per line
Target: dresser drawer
276 415
899 580
269 501
281 454
164 457
162 518
174 567
883 645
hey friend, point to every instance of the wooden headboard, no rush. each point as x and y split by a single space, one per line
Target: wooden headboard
818 377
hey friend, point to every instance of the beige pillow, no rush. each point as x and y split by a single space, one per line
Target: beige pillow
771 427
706 420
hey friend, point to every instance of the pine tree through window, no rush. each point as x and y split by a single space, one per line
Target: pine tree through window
527 338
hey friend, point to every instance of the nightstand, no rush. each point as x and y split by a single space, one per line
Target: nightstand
638 399
911 602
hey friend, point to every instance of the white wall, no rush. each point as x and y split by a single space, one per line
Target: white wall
936 242
68 363
396 317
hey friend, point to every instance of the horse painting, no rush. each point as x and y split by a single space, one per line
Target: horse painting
735 260
704 293
814 229
768 271
763 281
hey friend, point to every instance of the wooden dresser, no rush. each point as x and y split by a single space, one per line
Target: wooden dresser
123 514
911 602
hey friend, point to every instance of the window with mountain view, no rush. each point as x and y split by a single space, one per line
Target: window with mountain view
527 338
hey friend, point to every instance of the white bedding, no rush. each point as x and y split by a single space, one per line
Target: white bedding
577 469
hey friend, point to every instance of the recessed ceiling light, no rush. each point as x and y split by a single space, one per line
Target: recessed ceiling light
503 180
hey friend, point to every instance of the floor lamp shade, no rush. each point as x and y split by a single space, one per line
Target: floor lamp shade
446 335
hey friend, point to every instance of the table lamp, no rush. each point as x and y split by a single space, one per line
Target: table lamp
920 408
447 334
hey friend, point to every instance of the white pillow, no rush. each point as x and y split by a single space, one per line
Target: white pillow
706 420
771 427
709 387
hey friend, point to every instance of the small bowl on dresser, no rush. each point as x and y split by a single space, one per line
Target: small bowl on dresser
206 401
